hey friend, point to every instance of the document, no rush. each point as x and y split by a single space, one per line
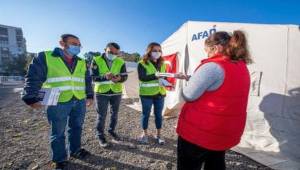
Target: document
49 96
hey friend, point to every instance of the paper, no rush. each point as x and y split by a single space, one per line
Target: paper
49 96
169 75
166 74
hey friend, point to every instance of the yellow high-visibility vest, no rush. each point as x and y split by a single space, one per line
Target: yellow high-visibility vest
59 76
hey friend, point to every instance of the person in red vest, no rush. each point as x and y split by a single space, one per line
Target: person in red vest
213 117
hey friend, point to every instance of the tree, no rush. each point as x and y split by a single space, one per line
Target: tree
16 64
136 56
90 55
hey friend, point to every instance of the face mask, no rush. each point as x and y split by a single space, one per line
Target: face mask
155 55
73 50
110 56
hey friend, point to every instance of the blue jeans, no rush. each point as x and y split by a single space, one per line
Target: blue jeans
70 113
102 104
158 103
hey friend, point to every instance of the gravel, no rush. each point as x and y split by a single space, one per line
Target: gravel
24 141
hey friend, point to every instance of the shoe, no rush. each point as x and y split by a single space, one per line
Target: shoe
80 154
58 165
143 139
102 142
159 140
115 137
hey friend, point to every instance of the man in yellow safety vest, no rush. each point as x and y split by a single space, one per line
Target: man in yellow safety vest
109 73
62 69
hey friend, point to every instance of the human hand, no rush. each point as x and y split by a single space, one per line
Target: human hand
182 76
116 78
89 102
36 105
109 76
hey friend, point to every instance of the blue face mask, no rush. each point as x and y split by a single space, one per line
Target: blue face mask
73 50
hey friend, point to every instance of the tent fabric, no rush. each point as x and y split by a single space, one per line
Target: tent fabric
272 133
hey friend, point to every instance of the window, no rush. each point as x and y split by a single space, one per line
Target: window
3 35
5 59
20 44
19 32
19 38
3 31
4 51
4 39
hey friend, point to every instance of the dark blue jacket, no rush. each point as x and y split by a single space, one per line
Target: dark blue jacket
37 75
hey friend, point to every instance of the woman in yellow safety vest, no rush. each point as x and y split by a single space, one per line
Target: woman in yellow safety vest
150 90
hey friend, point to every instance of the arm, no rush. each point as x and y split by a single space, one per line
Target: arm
208 77
143 74
88 84
34 79
123 70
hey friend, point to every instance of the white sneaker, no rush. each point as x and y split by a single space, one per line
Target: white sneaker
143 139
103 143
159 140
115 138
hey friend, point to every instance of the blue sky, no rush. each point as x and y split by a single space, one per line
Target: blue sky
131 23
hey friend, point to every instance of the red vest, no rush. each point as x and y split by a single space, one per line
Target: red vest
216 120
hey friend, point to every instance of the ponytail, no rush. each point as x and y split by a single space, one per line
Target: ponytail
237 47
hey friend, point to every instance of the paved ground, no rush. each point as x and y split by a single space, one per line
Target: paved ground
24 141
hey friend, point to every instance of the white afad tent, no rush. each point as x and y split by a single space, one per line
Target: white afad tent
272 132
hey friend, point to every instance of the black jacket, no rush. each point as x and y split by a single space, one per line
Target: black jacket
98 78
37 75
142 74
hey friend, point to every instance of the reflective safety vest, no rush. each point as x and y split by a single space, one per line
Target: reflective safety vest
105 86
151 88
59 76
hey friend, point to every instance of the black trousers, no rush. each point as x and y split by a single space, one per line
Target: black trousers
103 102
191 157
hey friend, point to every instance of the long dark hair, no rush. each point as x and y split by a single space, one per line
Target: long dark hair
147 55
235 45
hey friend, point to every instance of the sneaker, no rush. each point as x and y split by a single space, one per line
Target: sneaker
80 154
115 137
143 139
159 140
58 165
102 142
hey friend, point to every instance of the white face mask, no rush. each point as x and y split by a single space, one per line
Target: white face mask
110 56
155 55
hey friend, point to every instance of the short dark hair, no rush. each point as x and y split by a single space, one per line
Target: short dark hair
64 37
113 44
